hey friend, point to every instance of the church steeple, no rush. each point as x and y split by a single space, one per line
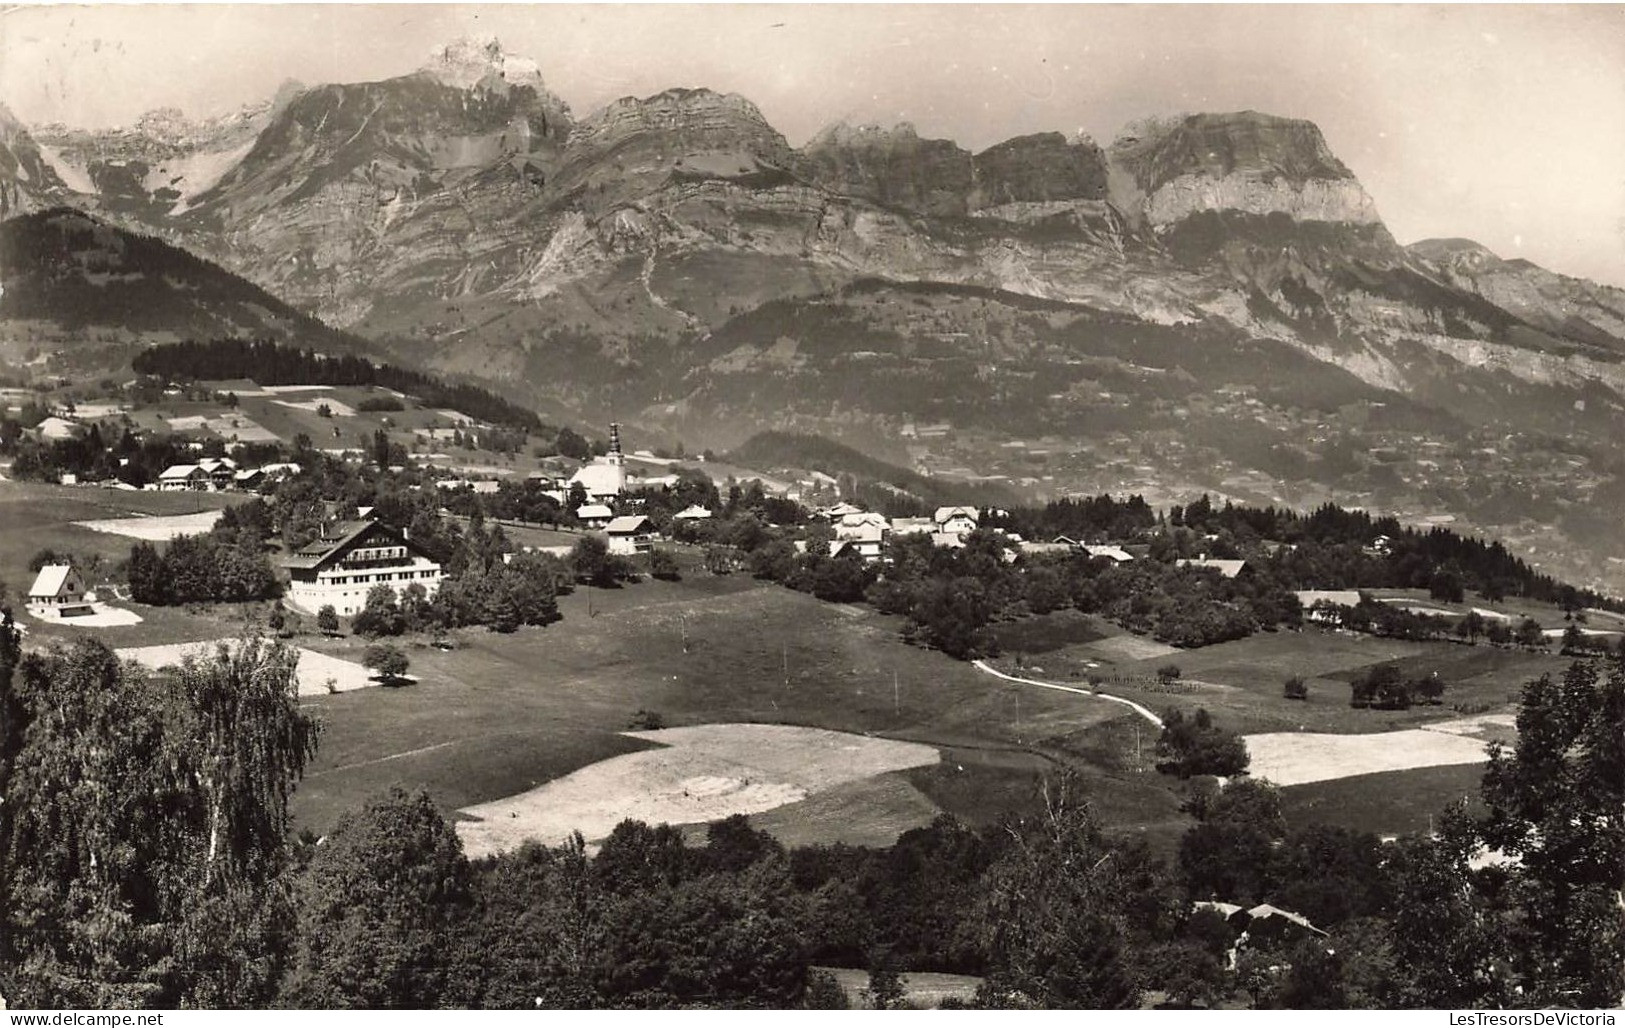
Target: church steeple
616 457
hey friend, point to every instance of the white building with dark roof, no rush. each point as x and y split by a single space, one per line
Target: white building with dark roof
349 559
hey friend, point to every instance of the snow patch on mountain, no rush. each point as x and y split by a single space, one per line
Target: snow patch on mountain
72 176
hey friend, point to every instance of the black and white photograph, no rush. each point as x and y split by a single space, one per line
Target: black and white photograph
656 507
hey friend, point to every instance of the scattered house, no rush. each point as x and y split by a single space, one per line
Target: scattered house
181 477
860 521
220 471
693 512
1225 568
59 587
863 533
1270 925
1035 549
630 534
54 428
284 470
913 526
1326 606
956 520
867 540
594 515
839 511
249 478
352 557
1116 554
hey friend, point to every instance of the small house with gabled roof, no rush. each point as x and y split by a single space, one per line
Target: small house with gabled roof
629 534
57 586
179 477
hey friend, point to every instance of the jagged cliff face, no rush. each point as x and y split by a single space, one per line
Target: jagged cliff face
1208 182
896 168
27 180
890 167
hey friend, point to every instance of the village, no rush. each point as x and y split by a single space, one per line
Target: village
836 717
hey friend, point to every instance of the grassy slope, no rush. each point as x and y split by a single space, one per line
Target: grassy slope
507 712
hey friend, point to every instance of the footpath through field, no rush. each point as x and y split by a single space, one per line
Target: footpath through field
1143 712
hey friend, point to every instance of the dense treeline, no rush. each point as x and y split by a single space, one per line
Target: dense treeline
209 568
271 363
167 877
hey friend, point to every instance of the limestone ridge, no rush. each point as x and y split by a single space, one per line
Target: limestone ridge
1246 162
896 168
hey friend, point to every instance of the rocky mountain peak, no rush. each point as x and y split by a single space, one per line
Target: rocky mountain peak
1217 145
466 63
1244 162
843 133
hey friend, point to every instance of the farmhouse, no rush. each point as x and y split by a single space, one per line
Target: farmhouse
594 515
867 541
955 520
912 526
1324 605
693 512
180 477
1040 549
349 558
57 586
221 471
631 534
1115 554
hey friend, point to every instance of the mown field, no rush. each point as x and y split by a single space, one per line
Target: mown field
1240 682
506 713
1389 803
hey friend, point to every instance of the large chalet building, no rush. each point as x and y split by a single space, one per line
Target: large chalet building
349 559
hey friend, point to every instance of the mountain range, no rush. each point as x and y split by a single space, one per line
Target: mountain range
672 259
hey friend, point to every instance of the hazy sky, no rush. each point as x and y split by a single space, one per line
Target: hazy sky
1505 124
